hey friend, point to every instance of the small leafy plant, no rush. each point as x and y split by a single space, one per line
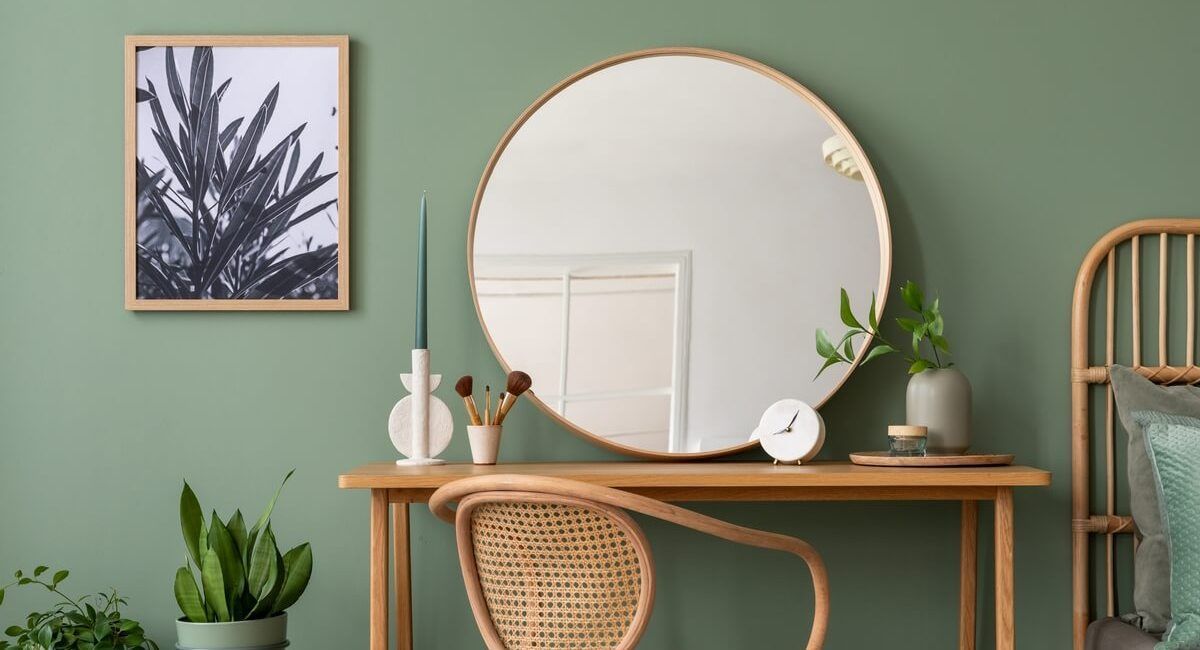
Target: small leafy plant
243 576
91 622
926 331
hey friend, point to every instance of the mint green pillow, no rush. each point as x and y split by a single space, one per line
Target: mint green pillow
1174 451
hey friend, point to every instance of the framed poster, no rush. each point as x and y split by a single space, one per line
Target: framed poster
236 173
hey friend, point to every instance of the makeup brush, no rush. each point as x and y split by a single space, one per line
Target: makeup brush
463 387
487 405
518 383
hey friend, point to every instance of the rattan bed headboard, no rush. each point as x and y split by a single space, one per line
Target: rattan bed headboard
1090 374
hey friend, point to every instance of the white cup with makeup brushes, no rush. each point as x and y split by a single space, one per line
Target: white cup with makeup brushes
484 432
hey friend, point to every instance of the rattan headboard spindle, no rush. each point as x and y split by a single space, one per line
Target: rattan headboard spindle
1087 373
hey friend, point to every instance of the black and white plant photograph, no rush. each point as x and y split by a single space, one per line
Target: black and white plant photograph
239 193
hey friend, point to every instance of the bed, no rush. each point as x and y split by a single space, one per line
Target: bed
1110 322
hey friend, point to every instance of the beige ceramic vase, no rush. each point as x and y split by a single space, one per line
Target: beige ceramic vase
940 399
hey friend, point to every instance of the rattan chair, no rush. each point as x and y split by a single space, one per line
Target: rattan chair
560 565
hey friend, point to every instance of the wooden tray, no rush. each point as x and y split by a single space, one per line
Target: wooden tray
885 459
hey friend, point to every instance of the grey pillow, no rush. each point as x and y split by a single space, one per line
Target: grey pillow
1140 403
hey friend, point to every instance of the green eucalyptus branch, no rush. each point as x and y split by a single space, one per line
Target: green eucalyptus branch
926 332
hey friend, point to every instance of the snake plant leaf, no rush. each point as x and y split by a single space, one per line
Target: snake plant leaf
221 542
263 562
191 518
266 515
297 564
237 528
848 315
187 594
264 606
214 586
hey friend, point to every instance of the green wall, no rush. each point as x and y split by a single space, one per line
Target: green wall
1008 136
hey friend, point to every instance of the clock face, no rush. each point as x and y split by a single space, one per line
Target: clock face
790 430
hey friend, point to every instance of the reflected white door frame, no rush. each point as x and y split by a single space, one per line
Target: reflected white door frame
568 267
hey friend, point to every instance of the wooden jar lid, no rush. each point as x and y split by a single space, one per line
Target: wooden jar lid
907 431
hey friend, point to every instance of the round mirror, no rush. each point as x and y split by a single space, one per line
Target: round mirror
656 239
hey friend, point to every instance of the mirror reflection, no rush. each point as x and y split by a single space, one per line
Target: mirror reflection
656 243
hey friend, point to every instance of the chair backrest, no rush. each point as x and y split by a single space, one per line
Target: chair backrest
553 572
1121 253
559 565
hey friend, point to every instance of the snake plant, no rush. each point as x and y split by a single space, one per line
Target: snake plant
243 576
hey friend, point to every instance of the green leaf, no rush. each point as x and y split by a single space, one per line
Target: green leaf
848 349
237 528
214 585
1 596
940 342
824 346
919 365
187 594
266 515
912 296
938 325
878 351
848 315
828 362
191 519
916 345
872 318
297 565
60 576
221 542
907 324
40 570
13 630
271 586
263 562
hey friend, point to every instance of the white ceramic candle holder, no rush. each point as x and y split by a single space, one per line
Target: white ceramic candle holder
420 424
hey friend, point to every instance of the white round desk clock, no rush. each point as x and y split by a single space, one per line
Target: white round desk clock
790 431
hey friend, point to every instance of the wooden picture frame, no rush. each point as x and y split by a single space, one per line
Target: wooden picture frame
278 267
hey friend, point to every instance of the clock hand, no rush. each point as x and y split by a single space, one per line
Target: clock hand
789 424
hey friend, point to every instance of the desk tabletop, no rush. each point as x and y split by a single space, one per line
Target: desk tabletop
647 474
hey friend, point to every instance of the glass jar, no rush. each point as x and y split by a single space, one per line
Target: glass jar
907 440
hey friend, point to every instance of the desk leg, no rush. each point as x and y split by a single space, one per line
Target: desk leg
1005 635
968 568
379 569
402 559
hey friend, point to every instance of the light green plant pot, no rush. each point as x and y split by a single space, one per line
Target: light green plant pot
261 634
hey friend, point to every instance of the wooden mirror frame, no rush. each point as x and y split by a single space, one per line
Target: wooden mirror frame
869 178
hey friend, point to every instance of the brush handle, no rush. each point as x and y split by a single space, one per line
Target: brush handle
472 410
505 407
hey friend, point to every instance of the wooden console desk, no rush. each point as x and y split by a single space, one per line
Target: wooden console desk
711 481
